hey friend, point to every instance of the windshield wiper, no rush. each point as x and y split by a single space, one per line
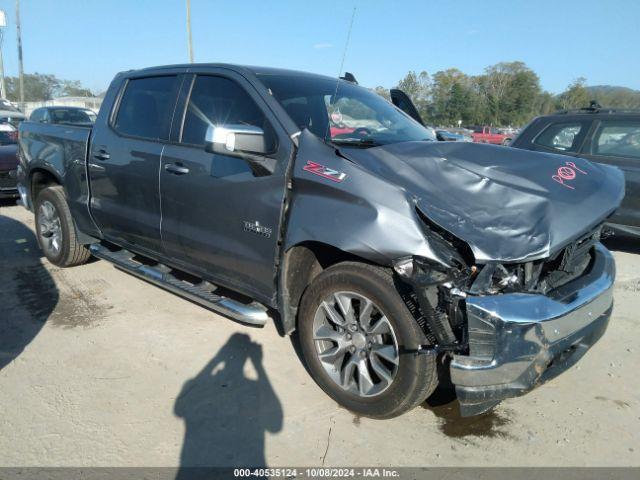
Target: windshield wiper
356 142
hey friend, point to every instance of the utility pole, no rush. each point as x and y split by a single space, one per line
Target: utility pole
3 85
188 31
20 68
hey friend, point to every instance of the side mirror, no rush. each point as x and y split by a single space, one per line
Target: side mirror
235 140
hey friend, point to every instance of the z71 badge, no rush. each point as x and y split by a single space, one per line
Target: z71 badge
325 172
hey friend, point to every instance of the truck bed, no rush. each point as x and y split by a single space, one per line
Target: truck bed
60 150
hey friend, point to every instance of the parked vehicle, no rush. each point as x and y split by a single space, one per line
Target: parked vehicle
8 161
490 135
386 251
602 135
10 114
450 136
64 115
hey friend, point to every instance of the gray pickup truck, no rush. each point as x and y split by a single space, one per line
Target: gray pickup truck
272 194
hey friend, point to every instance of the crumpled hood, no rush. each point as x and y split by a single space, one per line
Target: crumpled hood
508 204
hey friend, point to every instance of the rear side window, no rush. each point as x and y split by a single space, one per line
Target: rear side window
37 116
146 107
560 136
617 139
221 101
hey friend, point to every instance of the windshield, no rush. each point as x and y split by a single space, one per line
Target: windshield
354 115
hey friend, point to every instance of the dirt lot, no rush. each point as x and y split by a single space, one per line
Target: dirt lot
98 368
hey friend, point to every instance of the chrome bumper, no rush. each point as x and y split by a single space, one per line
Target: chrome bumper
518 341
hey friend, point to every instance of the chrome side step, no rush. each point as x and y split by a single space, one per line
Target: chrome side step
202 292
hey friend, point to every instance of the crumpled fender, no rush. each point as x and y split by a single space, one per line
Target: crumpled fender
336 202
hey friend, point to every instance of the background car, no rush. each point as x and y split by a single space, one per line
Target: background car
8 160
603 135
64 115
491 135
451 136
10 114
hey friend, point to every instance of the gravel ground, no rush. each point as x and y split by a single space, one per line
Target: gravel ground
98 368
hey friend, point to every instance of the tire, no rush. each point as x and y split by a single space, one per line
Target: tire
402 385
56 231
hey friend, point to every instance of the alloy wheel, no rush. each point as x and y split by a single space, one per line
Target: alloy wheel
50 228
355 343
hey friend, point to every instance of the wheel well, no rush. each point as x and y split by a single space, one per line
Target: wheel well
41 179
301 265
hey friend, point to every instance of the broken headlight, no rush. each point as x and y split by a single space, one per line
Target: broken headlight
498 278
422 271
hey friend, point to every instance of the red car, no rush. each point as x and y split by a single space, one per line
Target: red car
490 135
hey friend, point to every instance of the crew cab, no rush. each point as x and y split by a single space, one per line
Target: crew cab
390 255
490 135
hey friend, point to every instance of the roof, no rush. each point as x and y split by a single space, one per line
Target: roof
255 70
598 110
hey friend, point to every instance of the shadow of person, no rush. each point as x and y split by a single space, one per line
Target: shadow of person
227 412
28 294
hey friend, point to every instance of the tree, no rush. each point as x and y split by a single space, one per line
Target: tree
73 88
417 86
453 98
39 87
383 92
575 96
510 90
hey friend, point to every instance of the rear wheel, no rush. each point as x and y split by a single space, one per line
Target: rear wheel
359 341
55 229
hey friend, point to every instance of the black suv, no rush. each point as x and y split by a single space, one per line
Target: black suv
603 135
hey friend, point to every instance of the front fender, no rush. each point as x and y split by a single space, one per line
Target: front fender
353 210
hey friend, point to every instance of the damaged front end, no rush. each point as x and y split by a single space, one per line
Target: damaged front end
508 328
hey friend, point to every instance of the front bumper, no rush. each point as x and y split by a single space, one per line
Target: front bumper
8 184
518 341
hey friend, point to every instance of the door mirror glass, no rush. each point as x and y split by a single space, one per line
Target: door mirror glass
235 140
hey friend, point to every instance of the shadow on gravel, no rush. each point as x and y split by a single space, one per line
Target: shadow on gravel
8 202
227 407
28 294
622 244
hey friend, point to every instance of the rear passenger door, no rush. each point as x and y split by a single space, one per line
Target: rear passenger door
617 142
124 161
221 214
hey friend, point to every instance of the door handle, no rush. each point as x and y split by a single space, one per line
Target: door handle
176 169
102 155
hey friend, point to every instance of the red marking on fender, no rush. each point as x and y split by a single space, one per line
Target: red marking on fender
324 172
567 172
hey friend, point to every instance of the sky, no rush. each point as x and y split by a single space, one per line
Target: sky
561 40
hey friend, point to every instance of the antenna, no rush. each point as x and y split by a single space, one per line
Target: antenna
344 54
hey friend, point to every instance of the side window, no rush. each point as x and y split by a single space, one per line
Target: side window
560 136
146 107
617 139
221 101
37 116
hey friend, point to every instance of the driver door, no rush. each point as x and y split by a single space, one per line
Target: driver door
220 214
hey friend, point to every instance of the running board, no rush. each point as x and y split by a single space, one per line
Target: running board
202 293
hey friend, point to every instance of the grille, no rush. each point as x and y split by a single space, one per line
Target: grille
6 181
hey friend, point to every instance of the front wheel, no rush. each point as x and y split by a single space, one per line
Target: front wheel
55 230
359 341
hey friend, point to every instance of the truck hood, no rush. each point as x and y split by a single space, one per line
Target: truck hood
509 205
